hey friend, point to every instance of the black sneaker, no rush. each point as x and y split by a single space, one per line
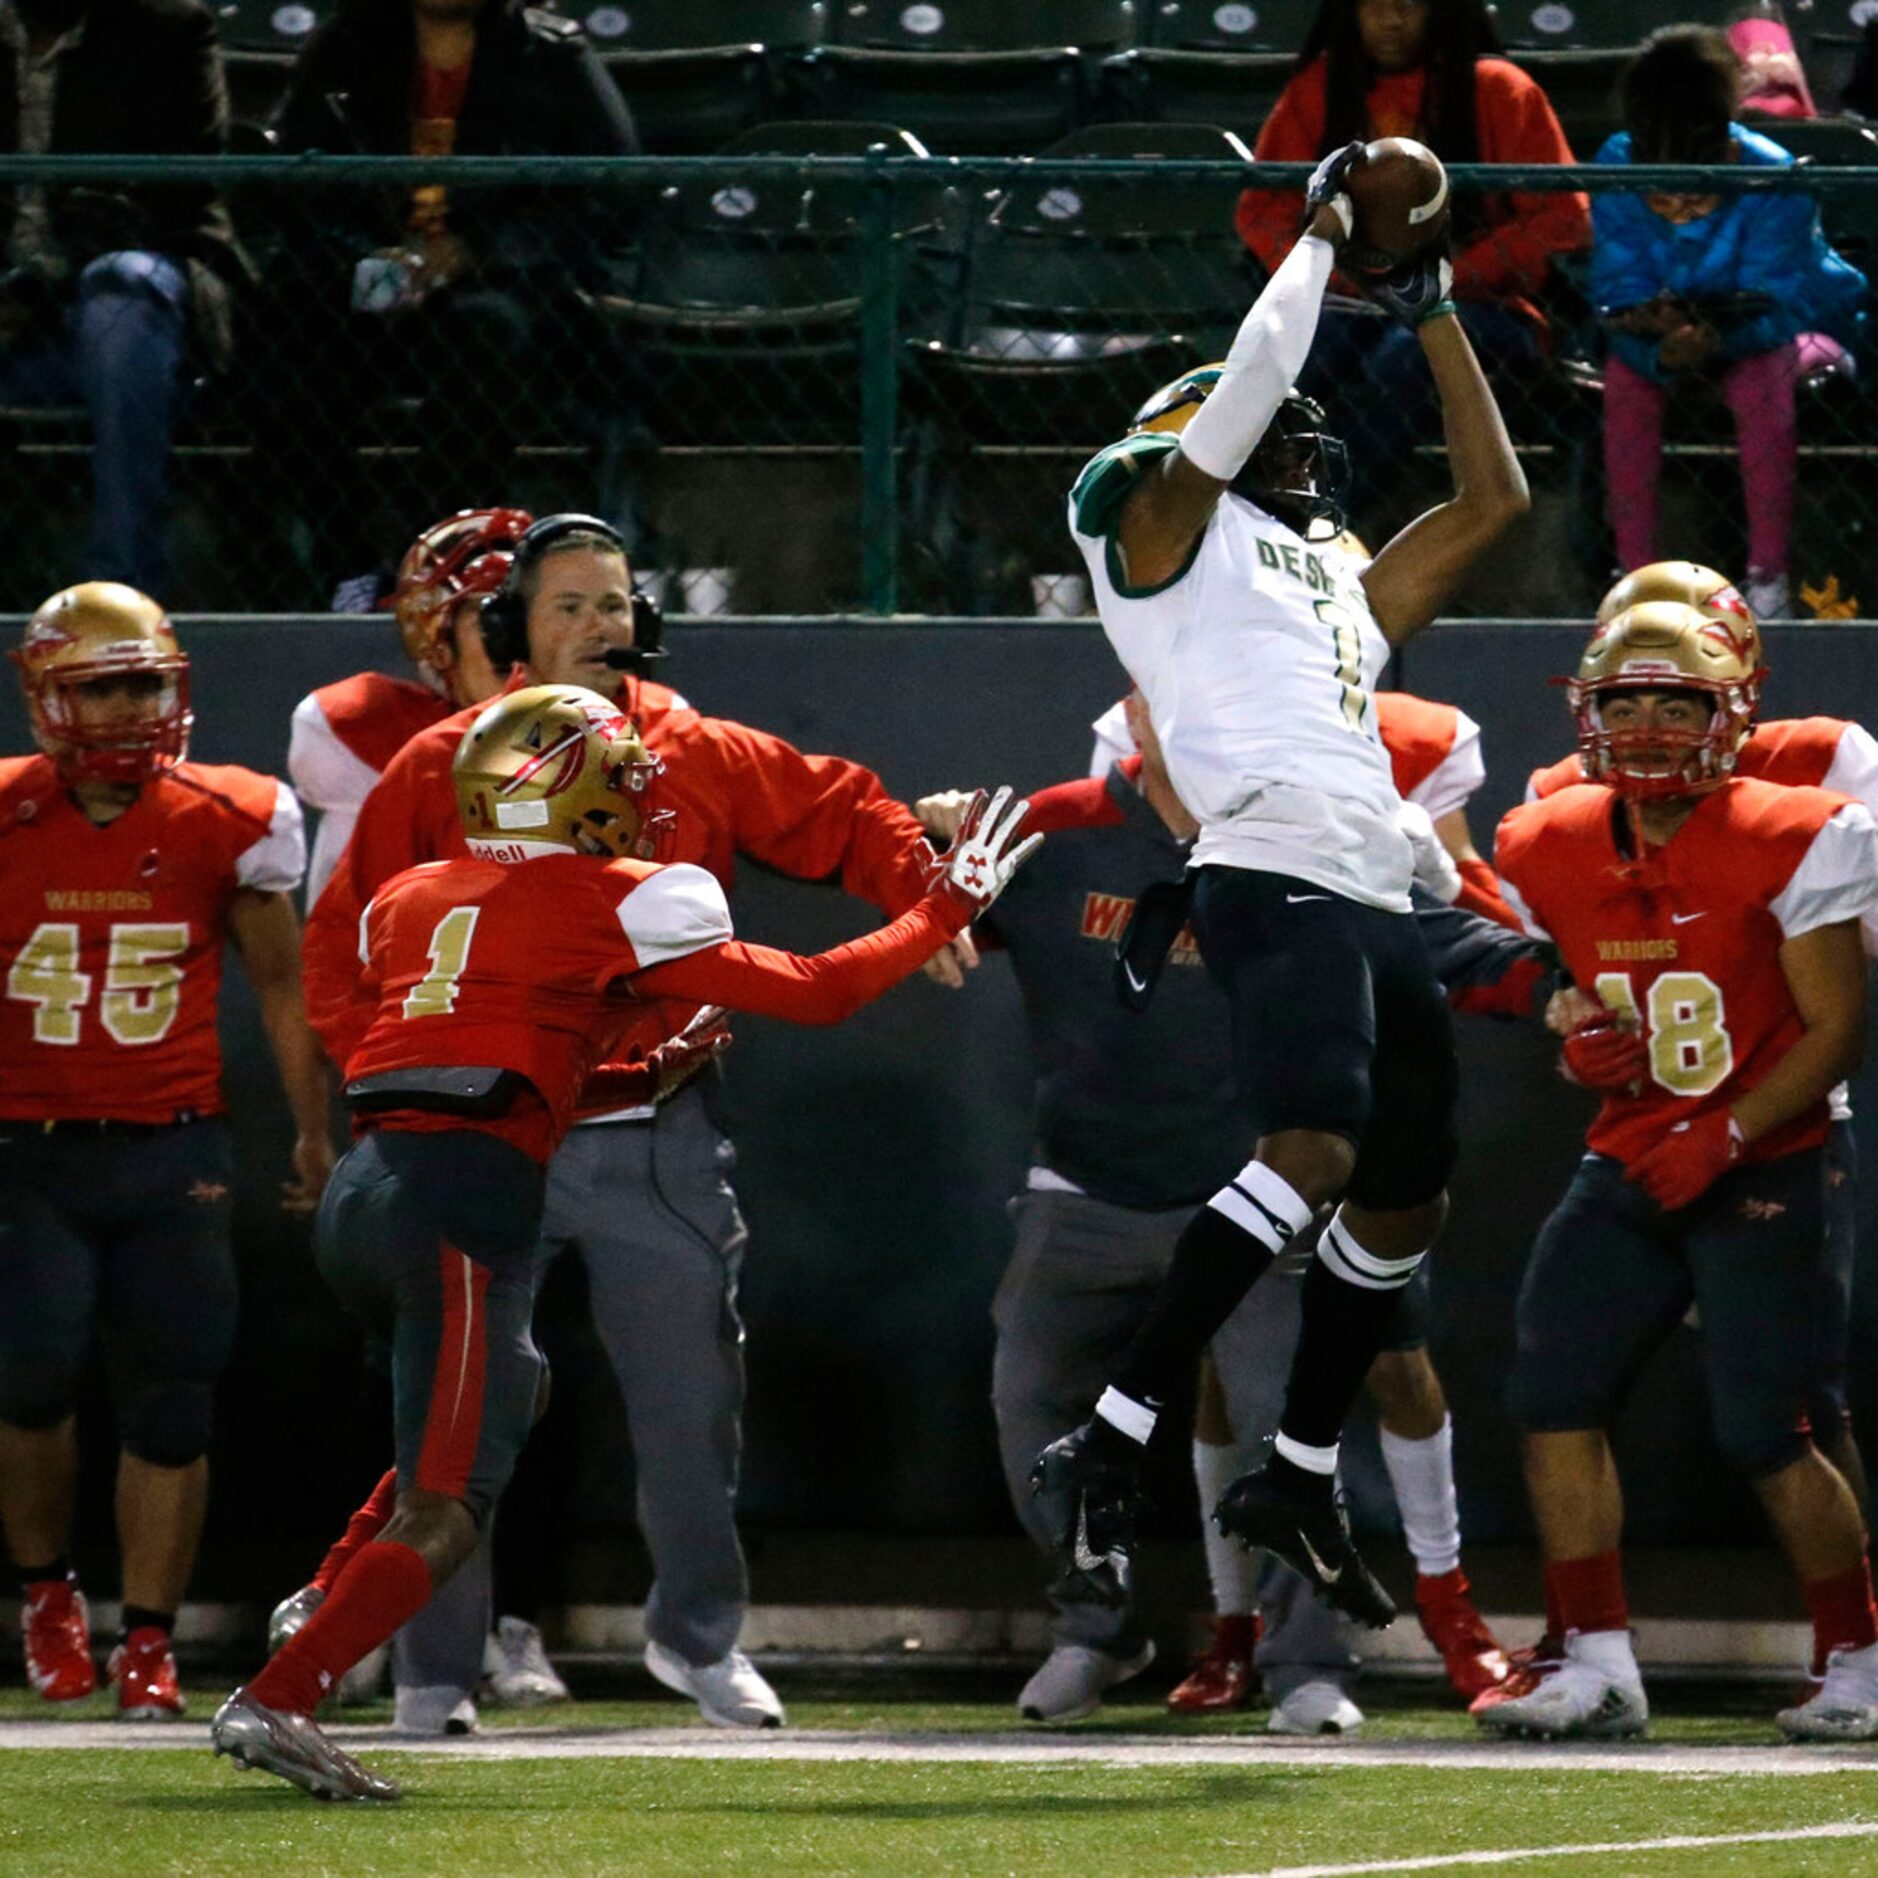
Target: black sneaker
1303 1521
1090 1496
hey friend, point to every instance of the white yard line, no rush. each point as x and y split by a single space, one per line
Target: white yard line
1687 1842
805 1744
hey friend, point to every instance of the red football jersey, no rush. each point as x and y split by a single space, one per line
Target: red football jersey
1802 752
524 966
1686 943
111 938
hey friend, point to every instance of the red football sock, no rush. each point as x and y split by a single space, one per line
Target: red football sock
1237 1633
1842 1612
364 1525
1587 1593
1554 1621
383 1588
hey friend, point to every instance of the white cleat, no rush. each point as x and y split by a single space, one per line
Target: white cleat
1315 1708
516 1670
1574 1701
1072 1679
439 1709
1844 1707
730 1693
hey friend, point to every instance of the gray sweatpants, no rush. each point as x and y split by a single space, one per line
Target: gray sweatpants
1081 1278
648 1209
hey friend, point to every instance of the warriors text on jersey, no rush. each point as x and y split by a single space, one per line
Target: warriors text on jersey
1257 661
521 966
1686 943
111 938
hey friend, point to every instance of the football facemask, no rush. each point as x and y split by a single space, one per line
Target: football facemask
1662 647
107 686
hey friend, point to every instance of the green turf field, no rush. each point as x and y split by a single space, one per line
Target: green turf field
73 1813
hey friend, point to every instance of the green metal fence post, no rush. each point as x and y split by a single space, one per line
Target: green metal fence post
880 393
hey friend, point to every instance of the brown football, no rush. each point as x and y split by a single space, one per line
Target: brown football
1400 194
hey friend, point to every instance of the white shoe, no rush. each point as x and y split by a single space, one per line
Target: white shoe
440 1709
1315 1708
1768 595
365 1680
730 1693
516 1670
1844 1707
1072 1679
1599 1700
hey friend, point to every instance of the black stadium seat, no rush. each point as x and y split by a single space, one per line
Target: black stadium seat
282 26
1591 25
1170 85
1227 25
986 76
697 72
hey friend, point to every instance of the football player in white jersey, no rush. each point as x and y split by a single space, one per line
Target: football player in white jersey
1257 648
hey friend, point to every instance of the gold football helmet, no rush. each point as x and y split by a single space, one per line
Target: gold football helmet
103 631
556 766
1663 645
469 553
1689 582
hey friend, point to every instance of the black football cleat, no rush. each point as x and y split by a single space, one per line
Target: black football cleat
1090 1497
1307 1527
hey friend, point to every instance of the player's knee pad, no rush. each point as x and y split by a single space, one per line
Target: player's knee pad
36 1395
168 1424
1325 1090
1758 1433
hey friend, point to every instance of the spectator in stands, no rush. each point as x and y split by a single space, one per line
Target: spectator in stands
1424 69
1743 290
109 292
470 297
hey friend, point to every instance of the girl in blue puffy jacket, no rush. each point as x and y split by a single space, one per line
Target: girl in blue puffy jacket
1741 288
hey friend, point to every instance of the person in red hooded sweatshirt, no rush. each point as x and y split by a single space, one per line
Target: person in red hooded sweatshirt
1425 69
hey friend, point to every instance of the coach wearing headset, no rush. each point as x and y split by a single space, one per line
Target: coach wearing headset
663 1277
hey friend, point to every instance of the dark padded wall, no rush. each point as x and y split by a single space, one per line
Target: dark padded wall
874 1160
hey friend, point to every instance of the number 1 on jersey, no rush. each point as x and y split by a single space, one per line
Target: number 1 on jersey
1347 637
434 995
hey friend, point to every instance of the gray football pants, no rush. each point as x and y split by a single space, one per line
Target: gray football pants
648 1209
1081 1278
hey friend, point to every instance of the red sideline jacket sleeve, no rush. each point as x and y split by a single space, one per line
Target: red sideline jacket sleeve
1084 803
822 989
820 818
409 817
1511 256
1267 219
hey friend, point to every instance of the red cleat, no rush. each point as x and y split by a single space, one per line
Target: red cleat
1526 1669
58 1641
1222 1676
144 1668
1475 1662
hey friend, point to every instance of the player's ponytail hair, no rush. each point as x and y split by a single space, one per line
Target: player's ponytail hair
1459 32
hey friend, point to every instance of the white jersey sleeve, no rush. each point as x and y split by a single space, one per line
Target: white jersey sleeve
1454 781
1854 770
277 861
671 914
1113 740
1528 923
327 775
1837 879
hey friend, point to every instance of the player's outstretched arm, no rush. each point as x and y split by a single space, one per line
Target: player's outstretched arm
1413 576
832 985
266 932
1165 513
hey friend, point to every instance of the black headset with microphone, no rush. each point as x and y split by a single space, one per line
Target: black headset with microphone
505 612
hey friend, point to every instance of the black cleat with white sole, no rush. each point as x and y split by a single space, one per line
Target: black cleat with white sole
1088 1485
1300 1516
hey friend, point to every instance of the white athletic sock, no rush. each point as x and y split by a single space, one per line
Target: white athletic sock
1229 1565
1609 1652
1422 1474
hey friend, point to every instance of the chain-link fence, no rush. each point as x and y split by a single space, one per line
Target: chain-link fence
824 374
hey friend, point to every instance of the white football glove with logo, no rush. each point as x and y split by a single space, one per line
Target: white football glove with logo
985 853
1435 871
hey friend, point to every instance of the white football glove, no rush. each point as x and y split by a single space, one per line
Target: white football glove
979 864
1435 871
